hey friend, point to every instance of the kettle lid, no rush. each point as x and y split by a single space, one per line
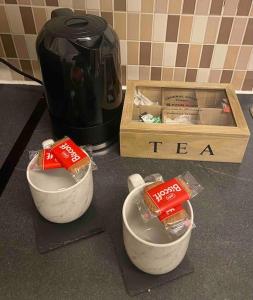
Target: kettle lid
76 27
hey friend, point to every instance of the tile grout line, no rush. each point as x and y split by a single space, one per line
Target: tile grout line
151 42
164 43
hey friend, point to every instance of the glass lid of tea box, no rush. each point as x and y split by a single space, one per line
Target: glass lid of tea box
182 106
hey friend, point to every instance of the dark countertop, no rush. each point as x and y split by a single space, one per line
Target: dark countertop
220 248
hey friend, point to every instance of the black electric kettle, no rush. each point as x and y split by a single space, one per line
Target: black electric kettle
80 63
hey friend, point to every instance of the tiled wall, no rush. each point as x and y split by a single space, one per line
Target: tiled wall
185 40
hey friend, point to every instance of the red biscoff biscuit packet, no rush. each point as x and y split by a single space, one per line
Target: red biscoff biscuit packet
71 157
176 221
160 197
46 160
166 195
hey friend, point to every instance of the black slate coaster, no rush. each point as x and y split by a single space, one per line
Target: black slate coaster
50 236
136 281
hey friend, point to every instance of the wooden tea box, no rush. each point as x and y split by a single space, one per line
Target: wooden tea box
198 122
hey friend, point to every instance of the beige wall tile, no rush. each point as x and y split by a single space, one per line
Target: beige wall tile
144 73
157 54
78 4
231 57
194 56
105 5
49 11
161 6
4 25
212 27
133 5
251 11
184 35
243 57
14 19
30 42
65 3
170 53
24 2
133 53
175 6
219 55
230 7
202 75
198 29
179 74
132 72
250 63
120 24
40 17
237 79
167 74
123 52
39 2
237 31
202 7
94 12
214 76
146 27
159 27
147 6
92 4
21 47
133 26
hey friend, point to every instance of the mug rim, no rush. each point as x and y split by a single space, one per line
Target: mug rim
53 192
129 196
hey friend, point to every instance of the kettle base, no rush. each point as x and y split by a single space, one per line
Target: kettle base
98 137
102 146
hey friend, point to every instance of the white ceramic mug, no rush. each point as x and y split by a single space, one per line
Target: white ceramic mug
156 255
57 196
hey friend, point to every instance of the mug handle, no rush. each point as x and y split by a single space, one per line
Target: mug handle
134 181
